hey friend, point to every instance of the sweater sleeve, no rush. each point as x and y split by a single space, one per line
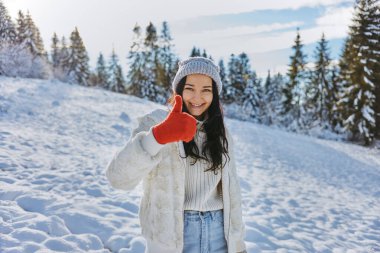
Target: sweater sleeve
237 225
136 159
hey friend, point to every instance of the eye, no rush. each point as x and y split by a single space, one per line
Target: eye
207 90
189 88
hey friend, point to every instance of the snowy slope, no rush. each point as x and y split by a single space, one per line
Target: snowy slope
300 194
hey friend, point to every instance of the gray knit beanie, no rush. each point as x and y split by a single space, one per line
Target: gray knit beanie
198 65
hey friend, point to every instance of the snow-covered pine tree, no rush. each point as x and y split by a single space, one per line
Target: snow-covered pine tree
150 89
344 80
78 71
116 80
204 54
252 99
375 39
199 52
223 77
333 113
7 27
16 61
7 42
267 118
16 58
31 38
272 99
102 75
21 28
293 90
195 52
318 91
62 70
168 61
358 97
54 52
239 72
136 63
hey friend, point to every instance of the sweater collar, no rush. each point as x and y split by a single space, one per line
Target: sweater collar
200 124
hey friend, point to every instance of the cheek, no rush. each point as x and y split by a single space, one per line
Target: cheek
209 98
185 98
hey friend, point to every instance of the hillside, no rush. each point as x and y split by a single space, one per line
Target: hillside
300 194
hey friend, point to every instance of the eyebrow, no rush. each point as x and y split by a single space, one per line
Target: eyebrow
208 86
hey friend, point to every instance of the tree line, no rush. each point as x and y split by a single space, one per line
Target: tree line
339 96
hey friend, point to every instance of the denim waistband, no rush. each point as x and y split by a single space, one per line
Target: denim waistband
191 214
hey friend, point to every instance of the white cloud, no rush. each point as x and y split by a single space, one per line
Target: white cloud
244 31
333 23
336 17
175 10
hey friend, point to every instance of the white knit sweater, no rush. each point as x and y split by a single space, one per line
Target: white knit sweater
163 173
202 188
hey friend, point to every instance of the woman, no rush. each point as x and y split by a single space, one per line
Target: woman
191 201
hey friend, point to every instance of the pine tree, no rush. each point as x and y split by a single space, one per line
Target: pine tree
294 88
252 98
78 71
195 52
7 27
230 90
273 99
21 28
32 37
116 81
332 109
358 97
269 96
55 51
167 61
136 63
102 75
375 45
150 90
62 70
204 54
319 90
239 72
223 77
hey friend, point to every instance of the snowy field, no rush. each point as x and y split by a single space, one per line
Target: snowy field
300 194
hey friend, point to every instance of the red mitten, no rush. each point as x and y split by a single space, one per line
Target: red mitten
178 125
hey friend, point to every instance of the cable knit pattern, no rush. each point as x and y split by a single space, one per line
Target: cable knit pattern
201 187
163 175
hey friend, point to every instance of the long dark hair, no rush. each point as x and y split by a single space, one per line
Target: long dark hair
216 144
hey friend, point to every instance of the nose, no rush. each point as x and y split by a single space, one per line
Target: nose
197 96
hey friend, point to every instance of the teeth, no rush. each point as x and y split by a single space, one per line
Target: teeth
196 105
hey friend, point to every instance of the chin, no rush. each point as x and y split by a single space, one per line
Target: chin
199 116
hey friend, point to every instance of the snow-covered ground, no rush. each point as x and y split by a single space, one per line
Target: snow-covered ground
300 194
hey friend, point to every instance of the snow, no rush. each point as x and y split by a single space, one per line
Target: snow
369 82
300 194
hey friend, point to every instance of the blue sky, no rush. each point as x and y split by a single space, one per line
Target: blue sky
265 30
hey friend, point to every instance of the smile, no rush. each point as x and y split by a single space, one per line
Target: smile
196 105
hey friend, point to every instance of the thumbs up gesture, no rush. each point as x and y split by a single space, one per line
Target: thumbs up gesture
178 125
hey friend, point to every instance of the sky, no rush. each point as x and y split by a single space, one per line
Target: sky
265 30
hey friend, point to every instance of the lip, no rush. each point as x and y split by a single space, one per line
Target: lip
199 106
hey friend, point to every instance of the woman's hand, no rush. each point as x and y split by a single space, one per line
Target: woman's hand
178 125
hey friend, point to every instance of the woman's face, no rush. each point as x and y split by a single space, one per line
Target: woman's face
197 94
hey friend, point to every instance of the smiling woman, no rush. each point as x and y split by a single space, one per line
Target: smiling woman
192 200
197 94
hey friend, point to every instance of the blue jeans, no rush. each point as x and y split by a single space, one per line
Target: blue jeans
204 232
